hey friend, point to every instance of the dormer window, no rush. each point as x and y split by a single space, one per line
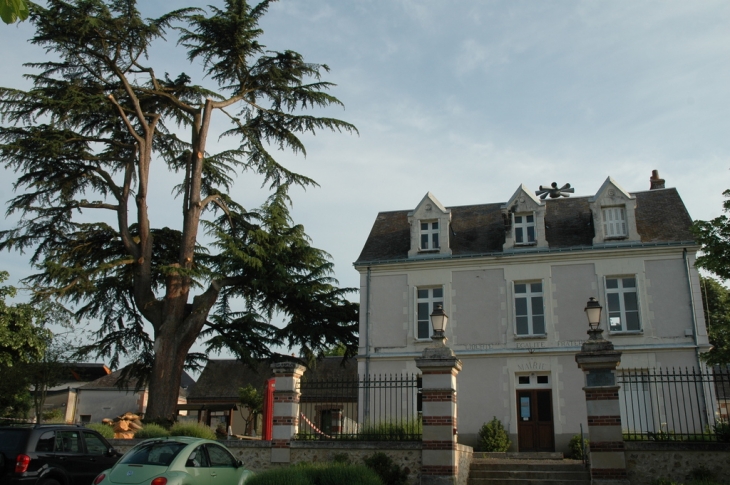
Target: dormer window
524 229
614 222
429 235
429 228
614 214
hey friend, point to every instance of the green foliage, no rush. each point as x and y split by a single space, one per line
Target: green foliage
22 340
53 416
196 430
387 431
493 436
252 401
575 449
338 350
12 11
153 430
96 127
716 305
389 472
661 435
308 474
341 458
722 430
103 429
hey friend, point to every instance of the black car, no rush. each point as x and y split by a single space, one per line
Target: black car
53 455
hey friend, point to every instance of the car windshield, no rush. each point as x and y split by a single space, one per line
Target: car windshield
159 453
13 440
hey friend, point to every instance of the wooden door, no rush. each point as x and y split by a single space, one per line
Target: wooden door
535 420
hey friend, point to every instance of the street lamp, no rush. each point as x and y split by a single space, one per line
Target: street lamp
439 319
593 312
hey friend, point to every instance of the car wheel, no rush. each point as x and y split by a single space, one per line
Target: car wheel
49 481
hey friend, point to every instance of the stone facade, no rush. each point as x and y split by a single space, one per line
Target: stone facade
256 455
647 461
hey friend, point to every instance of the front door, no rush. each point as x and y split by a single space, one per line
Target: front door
535 420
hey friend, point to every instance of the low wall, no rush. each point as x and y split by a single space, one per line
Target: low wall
256 455
464 455
649 460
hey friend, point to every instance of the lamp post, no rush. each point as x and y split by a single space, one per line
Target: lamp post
593 312
439 319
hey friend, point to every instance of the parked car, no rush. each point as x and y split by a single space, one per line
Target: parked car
52 454
176 460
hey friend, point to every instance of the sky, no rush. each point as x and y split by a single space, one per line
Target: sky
468 99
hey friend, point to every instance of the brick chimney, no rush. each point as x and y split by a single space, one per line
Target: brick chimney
656 182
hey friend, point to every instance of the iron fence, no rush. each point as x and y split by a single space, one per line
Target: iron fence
675 404
378 407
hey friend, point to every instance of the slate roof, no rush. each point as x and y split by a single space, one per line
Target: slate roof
110 381
661 217
221 378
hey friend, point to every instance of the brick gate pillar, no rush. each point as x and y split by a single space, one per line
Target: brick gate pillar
439 368
598 359
286 409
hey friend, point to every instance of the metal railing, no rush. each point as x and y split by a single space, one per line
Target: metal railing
379 407
675 404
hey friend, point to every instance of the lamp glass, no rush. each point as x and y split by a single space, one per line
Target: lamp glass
593 312
439 319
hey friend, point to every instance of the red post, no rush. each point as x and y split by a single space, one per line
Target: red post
268 414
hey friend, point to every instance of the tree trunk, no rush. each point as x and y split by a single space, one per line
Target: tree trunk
167 369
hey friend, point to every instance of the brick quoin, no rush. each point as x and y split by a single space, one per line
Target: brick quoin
438 470
438 396
609 473
439 421
607 446
439 445
285 421
604 420
452 372
597 395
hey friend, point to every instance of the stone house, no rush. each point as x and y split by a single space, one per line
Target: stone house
514 278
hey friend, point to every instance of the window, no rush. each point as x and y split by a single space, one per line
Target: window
67 442
429 235
197 459
219 457
623 304
529 311
614 222
94 444
428 299
524 228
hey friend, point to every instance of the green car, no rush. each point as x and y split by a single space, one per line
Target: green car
176 460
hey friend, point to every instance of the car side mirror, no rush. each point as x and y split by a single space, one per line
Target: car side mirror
112 452
239 463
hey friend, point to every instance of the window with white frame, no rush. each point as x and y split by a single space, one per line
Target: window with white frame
529 308
524 228
427 300
614 222
623 304
429 235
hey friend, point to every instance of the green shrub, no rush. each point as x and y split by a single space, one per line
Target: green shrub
103 429
342 458
493 436
386 431
308 474
575 450
151 430
53 416
196 430
389 472
722 430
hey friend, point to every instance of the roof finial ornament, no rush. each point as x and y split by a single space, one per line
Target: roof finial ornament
554 192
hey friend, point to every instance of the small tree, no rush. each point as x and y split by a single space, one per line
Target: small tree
493 436
253 402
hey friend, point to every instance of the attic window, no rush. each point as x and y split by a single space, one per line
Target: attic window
525 228
614 222
429 235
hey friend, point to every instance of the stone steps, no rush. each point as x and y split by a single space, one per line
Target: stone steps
526 469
